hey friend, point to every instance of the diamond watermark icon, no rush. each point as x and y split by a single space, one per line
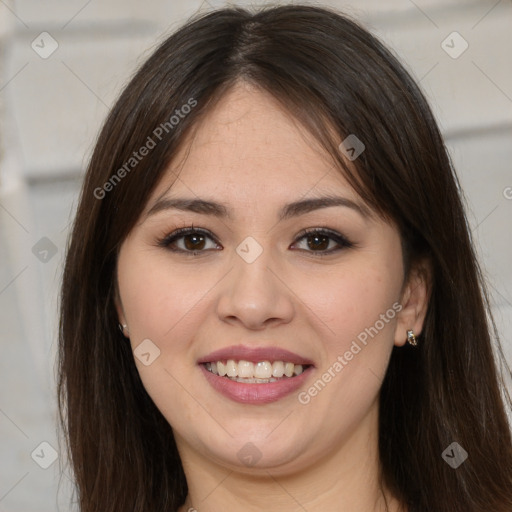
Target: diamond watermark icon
454 45
44 455
454 455
146 352
249 454
249 250
352 147
44 250
44 45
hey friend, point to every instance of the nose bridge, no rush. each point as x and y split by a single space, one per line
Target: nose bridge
252 263
253 294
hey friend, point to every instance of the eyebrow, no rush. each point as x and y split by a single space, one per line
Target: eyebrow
220 210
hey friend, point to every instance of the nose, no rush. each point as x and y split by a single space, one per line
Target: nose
255 295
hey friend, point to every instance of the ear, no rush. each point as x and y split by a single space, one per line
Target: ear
414 300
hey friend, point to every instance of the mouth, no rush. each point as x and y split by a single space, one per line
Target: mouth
255 375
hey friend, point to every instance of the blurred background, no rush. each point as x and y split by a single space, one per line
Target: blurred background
62 64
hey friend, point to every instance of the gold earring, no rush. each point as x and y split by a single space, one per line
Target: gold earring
411 339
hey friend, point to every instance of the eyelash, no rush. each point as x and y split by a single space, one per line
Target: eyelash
342 241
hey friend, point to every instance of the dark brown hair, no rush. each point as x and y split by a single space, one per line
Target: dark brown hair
336 79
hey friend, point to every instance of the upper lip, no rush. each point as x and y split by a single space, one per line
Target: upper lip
254 355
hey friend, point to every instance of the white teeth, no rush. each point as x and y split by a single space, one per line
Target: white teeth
221 368
278 369
246 371
231 368
263 370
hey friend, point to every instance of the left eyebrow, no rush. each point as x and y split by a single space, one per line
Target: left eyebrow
205 207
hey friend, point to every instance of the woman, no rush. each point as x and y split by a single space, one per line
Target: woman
271 219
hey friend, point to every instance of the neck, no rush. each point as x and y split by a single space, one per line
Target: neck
345 479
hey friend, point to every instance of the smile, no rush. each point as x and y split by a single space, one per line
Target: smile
251 373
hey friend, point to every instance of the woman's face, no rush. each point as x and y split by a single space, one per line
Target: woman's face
249 293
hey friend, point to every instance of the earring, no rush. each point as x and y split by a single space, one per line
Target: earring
122 327
411 339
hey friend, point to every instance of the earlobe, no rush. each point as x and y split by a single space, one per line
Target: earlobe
123 327
414 301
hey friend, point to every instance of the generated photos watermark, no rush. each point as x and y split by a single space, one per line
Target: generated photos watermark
352 147
454 455
145 149
305 397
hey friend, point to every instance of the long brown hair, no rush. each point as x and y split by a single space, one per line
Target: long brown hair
336 79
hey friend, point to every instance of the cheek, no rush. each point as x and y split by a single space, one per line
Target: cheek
350 302
355 314
364 302
355 310
160 305
158 300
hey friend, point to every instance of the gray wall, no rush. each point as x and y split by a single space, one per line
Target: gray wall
52 105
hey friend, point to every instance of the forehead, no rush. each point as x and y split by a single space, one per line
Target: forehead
249 146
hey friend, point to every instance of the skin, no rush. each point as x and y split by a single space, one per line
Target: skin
251 155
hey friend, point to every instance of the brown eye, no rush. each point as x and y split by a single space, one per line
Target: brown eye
194 241
188 240
319 240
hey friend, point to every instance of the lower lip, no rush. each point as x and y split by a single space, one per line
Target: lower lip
255 393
